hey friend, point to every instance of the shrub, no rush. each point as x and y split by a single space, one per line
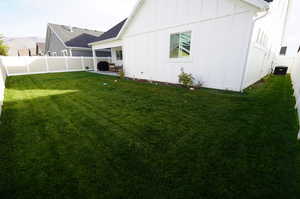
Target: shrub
185 79
3 47
122 74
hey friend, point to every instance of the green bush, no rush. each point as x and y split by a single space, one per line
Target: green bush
122 74
3 48
186 79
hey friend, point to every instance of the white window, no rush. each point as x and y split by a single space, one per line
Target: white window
54 54
64 53
119 54
180 45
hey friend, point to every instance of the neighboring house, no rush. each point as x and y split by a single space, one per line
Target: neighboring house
26 52
40 49
64 40
15 44
224 44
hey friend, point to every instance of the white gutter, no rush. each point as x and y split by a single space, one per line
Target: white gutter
260 4
248 50
103 41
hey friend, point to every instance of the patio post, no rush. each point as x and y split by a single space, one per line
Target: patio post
94 59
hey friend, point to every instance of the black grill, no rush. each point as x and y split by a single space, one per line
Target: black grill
103 66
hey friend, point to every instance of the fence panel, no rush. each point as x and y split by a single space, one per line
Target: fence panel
295 75
75 63
15 65
57 64
88 62
36 65
2 83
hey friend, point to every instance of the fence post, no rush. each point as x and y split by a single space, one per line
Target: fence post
67 63
82 63
27 64
5 66
297 96
47 64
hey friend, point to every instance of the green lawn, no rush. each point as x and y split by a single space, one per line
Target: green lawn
68 135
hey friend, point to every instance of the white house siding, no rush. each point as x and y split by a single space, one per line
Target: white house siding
220 35
266 42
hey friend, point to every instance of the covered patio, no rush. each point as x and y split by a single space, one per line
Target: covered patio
116 63
110 40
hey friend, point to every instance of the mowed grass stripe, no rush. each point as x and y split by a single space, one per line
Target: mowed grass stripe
83 139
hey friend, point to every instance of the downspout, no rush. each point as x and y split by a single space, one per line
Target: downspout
248 50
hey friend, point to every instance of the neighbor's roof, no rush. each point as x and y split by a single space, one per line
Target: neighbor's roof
115 32
78 37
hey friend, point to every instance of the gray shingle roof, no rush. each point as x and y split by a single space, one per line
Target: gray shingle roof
78 37
113 32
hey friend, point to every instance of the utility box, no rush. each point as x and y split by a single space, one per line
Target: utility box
280 70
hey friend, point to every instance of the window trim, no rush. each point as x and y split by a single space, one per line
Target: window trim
118 58
180 58
283 51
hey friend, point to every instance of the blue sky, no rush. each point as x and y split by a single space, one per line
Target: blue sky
20 18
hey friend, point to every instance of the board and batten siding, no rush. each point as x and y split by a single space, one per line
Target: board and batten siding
266 42
220 34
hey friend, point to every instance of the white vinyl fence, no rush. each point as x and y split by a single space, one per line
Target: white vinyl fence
295 75
2 84
37 65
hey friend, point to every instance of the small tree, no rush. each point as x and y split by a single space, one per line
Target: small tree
122 74
3 47
185 79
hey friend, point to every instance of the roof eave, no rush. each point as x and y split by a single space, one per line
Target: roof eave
137 6
259 4
133 13
103 41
